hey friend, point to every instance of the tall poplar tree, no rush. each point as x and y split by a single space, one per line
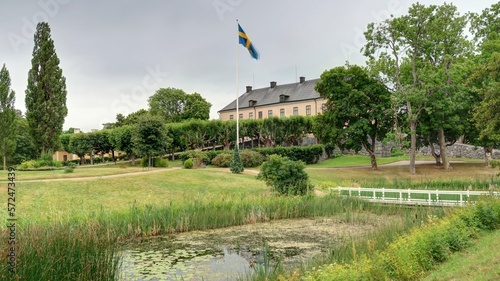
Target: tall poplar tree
46 92
8 121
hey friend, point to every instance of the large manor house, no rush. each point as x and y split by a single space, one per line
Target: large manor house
277 100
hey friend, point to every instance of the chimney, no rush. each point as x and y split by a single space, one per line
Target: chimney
249 88
302 79
273 84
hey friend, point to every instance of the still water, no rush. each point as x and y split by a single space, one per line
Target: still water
230 253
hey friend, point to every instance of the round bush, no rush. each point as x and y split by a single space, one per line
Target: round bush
251 158
188 164
222 160
285 176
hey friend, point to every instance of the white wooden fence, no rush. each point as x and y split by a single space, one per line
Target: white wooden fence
414 196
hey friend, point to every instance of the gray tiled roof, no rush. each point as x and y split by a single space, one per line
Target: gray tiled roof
266 96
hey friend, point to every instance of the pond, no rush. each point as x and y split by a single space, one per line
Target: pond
230 253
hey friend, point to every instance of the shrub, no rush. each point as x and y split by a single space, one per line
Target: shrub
160 162
251 158
188 163
236 165
196 155
155 162
396 152
214 153
70 167
308 154
222 160
285 176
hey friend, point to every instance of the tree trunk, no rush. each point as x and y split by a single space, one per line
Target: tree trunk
488 150
413 144
443 150
370 148
436 156
132 157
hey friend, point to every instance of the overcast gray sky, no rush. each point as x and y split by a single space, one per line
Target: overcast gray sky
115 54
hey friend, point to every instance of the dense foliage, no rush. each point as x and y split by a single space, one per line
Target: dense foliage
46 92
307 154
285 176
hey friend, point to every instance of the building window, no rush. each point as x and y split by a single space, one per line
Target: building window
323 107
260 114
241 115
282 112
295 111
231 117
308 110
250 115
269 113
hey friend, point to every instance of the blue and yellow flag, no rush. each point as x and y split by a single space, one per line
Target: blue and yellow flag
245 41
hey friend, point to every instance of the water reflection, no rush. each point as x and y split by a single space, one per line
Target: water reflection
183 264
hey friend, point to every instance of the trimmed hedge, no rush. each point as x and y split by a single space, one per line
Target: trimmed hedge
307 154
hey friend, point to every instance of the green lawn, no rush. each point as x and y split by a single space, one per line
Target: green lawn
480 262
355 160
54 199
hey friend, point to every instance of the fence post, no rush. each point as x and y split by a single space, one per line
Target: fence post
461 199
409 196
429 199
383 194
400 196
437 195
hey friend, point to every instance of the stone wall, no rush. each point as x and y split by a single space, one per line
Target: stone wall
459 150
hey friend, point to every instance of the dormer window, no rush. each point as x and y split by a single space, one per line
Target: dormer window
251 103
283 98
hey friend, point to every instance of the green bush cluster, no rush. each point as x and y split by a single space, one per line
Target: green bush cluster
197 156
396 152
411 256
307 154
249 158
70 167
285 176
156 162
223 160
44 162
188 163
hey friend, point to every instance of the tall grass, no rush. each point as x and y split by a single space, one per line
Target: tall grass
405 183
62 252
85 248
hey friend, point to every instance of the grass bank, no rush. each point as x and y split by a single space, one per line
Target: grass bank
412 256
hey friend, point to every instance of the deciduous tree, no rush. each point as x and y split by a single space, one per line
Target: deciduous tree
358 110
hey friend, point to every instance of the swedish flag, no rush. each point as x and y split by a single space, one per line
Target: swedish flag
245 41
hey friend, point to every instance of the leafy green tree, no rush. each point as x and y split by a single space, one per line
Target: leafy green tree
121 138
236 165
150 138
64 140
80 144
8 116
285 176
25 147
359 110
46 92
416 55
174 105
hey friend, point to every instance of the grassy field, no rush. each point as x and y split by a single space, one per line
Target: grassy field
480 262
88 210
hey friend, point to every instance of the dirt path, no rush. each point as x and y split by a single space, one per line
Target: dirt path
103 177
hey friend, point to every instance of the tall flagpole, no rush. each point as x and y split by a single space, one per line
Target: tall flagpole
237 95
